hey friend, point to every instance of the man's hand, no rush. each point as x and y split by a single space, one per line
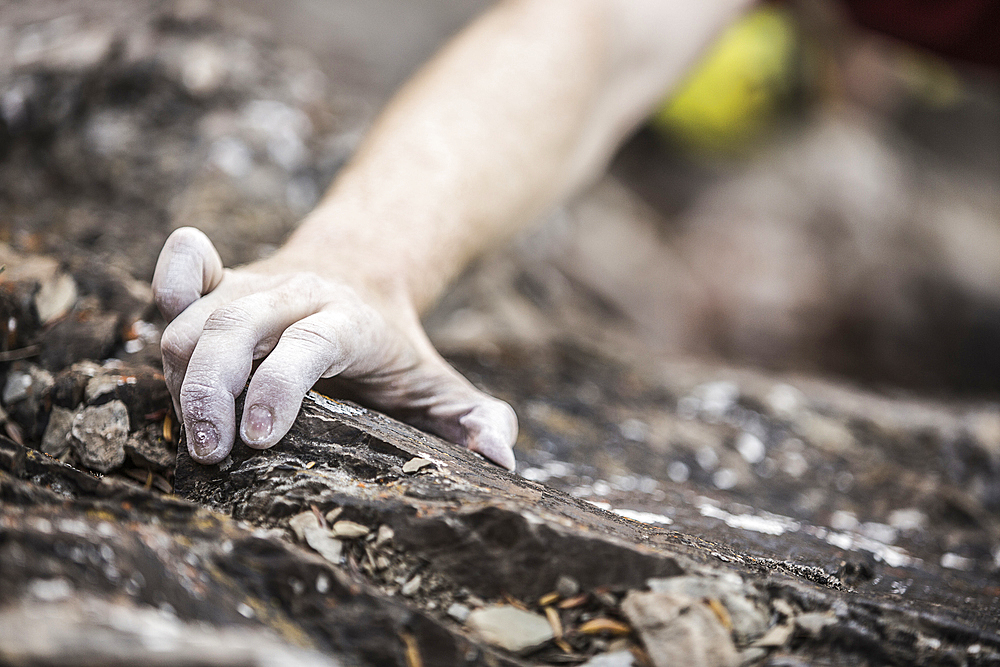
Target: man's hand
305 327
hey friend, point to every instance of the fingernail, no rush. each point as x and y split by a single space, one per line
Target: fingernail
204 438
259 423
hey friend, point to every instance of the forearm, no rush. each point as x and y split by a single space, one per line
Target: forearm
518 112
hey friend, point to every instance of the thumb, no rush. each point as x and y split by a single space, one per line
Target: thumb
451 407
188 267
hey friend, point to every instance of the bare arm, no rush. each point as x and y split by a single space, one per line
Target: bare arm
518 112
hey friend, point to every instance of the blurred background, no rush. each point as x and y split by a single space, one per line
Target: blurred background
815 197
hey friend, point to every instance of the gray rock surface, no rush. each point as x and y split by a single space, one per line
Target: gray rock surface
99 435
56 440
677 629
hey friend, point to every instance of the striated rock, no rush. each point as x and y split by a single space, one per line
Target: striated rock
99 435
510 628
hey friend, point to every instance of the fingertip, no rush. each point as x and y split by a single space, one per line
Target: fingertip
491 430
188 267
204 442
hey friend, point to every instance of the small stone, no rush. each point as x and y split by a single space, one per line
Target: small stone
385 534
147 449
415 465
814 622
100 385
349 530
331 516
679 630
56 441
778 635
55 298
382 563
459 612
752 655
567 587
411 587
748 618
99 435
308 529
616 659
510 628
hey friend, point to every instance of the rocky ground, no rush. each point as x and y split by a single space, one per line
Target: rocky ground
663 509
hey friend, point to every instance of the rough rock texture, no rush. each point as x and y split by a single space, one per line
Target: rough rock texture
804 520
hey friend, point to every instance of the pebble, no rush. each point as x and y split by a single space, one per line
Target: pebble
349 530
510 628
459 612
679 630
416 464
308 529
616 659
147 449
411 587
56 441
385 534
99 435
749 620
814 622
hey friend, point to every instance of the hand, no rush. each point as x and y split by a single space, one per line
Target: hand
305 326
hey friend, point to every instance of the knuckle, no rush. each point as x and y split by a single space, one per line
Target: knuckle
175 345
312 336
228 317
197 393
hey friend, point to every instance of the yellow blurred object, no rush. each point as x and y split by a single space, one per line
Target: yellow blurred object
733 95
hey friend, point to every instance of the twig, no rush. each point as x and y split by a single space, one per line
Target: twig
20 353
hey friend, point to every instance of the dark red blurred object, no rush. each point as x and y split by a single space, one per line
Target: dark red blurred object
964 29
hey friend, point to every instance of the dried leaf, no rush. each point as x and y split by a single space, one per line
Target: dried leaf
610 626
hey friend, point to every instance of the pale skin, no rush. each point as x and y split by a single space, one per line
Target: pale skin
517 113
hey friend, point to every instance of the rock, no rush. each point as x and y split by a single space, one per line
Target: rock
415 465
749 619
99 435
385 534
615 659
147 449
459 612
778 635
26 382
510 628
349 530
87 630
56 440
88 333
677 629
814 622
55 298
567 587
411 587
308 529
